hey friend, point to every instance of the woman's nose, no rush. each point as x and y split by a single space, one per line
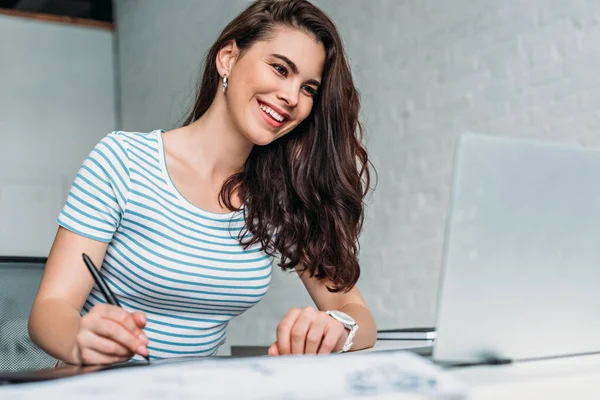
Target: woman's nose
290 96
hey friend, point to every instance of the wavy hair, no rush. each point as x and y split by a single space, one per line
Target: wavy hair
303 194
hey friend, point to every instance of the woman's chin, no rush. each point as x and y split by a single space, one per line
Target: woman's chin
261 137
262 140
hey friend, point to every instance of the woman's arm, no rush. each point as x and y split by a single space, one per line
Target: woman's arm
65 285
55 324
308 331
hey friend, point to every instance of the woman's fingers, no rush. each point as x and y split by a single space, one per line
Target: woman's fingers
112 330
298 335
284 330
140 319
274 350
105 346
332 336
119 315
110 334
93 357
297 329
314 337
308 331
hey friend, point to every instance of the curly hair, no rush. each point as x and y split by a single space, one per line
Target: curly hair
303 194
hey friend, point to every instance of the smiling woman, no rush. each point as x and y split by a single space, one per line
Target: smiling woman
185 223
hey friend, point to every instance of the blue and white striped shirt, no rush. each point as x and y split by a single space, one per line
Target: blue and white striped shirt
181 265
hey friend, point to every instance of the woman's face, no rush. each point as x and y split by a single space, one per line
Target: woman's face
272 86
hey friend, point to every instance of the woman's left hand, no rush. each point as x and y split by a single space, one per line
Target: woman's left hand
308 331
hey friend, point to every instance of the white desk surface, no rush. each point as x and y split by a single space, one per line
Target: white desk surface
573 378
561 378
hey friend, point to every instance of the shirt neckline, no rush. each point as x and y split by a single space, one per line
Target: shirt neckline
167 177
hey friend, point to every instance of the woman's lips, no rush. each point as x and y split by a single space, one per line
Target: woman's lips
269 119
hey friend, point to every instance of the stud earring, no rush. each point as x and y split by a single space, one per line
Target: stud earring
224 82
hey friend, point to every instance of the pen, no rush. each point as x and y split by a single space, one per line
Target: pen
108 294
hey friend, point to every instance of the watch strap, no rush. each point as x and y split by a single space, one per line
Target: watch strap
352 331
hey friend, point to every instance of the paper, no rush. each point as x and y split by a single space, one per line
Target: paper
398 375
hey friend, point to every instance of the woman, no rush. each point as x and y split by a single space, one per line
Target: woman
185 223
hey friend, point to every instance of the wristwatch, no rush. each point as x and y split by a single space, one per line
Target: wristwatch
348 323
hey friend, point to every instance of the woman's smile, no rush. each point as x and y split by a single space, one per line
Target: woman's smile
270 116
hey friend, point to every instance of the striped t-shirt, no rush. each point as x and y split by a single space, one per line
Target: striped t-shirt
181 265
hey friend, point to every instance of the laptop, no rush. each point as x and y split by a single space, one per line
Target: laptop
521 266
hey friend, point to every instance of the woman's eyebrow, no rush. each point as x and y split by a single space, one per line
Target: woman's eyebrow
294 67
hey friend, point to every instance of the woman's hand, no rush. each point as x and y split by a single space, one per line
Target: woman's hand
308 331
109 334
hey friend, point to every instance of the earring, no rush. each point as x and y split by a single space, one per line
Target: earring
224 82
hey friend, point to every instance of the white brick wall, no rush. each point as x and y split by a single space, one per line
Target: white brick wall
428 70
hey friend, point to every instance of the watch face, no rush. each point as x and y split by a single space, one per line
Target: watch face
345 318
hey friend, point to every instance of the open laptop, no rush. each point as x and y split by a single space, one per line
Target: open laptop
521 267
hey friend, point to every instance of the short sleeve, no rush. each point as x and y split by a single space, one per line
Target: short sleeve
98 197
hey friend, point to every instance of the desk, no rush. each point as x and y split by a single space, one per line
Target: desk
397 375
560 378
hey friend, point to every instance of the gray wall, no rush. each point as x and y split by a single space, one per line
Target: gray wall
428 70
161 48
57 99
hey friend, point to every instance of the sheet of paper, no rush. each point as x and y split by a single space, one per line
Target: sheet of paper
381 375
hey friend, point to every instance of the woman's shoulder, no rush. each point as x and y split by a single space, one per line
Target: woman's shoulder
120 146
135 137
128 142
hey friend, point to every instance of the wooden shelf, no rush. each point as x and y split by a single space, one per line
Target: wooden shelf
59 19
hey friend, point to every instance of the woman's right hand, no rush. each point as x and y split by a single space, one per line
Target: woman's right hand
108 334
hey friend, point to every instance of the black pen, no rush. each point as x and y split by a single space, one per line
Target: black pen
108 294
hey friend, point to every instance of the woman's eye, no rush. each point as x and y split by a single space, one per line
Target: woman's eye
310 90
280 68
283 71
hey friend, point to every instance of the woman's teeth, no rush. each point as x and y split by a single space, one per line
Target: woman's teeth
271 112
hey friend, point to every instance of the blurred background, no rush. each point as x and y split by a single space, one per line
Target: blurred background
96 10
74 70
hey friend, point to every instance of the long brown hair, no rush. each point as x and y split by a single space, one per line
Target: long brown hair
303 194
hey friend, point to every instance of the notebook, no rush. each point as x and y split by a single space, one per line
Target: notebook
418 333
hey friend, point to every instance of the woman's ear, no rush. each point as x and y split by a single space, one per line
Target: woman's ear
226 57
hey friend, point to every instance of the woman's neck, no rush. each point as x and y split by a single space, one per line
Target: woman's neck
215 144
